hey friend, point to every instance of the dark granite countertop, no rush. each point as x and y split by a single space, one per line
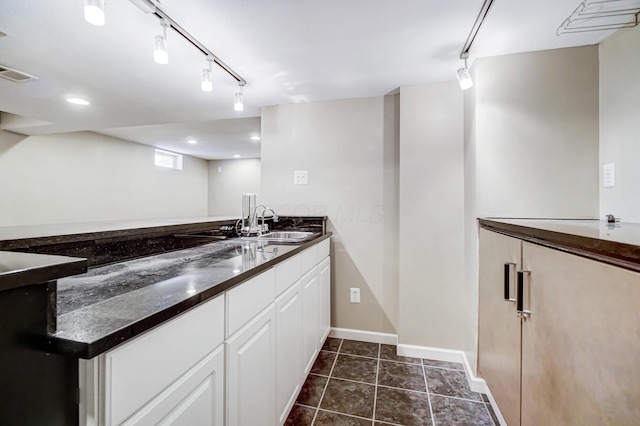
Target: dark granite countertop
110 304
617 244
12 237
23 269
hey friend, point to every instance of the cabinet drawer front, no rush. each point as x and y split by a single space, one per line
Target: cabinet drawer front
249 298
287 273
323 250
308 259
196 398
142 368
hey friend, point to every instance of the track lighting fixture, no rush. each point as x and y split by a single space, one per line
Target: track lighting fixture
464 78
160 50
206 82
238 100
94 12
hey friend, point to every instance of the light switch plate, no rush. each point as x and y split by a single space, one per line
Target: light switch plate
609 175
300 177
354 294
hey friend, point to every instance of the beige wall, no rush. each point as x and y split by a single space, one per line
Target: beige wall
228 179
432 281
349 158
620 123
531 141
83 177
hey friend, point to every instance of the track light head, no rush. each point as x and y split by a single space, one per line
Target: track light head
206 80
238 100
464 78
160 46
94 12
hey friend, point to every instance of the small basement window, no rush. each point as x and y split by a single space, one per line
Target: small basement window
168 159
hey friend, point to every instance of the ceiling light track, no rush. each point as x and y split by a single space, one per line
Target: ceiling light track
162 15
484 11
463 76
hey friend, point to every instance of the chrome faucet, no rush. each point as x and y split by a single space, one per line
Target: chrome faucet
253 224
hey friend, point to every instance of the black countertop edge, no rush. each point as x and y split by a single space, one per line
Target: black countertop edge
615 253
117 234
24 269
90 350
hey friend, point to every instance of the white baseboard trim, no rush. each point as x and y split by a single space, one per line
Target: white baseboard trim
475 383
364 336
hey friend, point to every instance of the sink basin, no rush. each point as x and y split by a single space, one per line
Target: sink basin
285 236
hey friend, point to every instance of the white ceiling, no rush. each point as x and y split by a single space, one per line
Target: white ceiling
287 50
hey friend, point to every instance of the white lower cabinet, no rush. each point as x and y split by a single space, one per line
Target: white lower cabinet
239 359
288 350
324 299
197 398
310 318
251 378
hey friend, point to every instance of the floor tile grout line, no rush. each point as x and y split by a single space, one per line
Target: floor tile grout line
489 413
351 415
426 385
326 384
375 389
443 368
458 398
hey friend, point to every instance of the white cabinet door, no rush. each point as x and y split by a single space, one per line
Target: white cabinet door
139 370
324 297
251 367
310 318
288 350
197 398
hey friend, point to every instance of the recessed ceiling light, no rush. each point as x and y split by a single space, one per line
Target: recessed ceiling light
236 156
255 138
192 141
77 101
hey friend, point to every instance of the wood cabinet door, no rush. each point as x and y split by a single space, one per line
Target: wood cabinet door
288 350
251 371
581 343
498 325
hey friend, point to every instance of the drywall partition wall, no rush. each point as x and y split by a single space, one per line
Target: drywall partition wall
228 179
620 123
432 280
537 134
84 176
531 141
341 146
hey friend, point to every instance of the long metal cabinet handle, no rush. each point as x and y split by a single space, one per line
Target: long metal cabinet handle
507 281
522 313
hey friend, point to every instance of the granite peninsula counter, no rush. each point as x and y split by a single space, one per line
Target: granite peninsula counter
109 304
74 291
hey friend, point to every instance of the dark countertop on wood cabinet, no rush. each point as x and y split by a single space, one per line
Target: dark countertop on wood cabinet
616 244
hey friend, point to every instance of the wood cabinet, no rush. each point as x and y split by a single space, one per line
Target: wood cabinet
499 328
580 339
251 372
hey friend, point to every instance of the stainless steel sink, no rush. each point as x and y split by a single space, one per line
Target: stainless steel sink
285 236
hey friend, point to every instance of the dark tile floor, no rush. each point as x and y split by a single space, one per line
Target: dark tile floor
367 384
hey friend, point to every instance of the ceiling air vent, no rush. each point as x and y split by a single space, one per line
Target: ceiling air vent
15 75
